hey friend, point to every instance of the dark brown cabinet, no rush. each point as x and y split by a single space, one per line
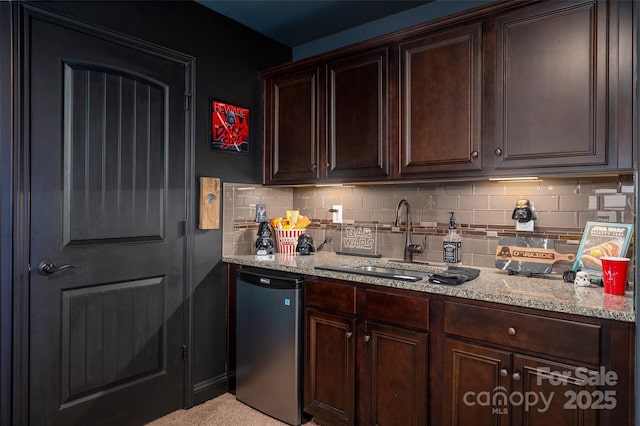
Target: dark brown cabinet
382 355
329 122
557 87
396 375
504 367
330 351
509 89
330 367
492 386
358 116
441 102
376 348
292 132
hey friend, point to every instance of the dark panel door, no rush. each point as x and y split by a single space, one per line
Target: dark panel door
397 368
551 101
440 101
107 138
358 116
291 108
330 367
469 373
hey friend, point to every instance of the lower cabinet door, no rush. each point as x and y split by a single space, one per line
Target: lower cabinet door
476 385
397 371
329 386
549 393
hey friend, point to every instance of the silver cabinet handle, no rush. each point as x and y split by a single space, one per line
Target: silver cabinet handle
367 338
474 154
504 372
516 376
498 151
48 268
511 331
349 334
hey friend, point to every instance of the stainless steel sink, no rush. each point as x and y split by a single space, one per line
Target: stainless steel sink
379 271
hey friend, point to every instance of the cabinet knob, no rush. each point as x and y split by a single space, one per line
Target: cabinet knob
511 331
367 338
516 376
474 154
498 151
504 372
328 165
314 167
349 334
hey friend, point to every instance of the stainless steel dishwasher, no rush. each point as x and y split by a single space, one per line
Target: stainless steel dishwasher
269 342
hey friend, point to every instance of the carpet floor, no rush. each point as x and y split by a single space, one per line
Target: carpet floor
224 410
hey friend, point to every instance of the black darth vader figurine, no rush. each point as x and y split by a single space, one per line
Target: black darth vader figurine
264 243
305 244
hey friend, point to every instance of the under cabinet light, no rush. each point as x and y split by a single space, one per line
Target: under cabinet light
517 179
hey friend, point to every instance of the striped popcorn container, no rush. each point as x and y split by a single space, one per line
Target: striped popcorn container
288 239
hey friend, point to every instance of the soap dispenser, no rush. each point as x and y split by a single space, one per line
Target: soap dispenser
452 244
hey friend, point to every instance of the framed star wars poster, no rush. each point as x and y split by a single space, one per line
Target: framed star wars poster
229 127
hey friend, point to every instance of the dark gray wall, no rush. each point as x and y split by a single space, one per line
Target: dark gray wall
229 57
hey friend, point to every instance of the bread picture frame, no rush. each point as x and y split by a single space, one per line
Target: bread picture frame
601 239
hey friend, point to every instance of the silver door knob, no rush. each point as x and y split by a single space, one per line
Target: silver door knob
48 268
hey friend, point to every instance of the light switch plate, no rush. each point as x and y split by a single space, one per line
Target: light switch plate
527 226
337 215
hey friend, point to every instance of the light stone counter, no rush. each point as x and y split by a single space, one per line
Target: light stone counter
548 292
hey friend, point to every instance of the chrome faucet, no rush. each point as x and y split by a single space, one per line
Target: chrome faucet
409 248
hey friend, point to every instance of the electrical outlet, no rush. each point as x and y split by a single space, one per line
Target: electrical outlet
337 215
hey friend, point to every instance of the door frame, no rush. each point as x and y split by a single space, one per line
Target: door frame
15 193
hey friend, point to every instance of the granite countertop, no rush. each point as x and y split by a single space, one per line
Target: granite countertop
548 292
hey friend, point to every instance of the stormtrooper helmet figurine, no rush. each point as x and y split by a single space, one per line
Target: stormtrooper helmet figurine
582 279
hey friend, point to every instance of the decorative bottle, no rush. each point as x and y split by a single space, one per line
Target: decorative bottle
452 244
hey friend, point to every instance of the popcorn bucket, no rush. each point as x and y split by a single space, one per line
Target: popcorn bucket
288 239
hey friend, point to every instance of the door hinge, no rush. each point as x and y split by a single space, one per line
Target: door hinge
185 352
187 101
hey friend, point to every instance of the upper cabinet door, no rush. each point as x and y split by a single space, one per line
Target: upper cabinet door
441 102
291 127
358 116
551 86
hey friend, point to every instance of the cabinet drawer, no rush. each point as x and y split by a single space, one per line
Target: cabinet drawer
330 295
551 336
398 309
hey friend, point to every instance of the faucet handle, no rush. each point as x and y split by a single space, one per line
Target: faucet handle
415 248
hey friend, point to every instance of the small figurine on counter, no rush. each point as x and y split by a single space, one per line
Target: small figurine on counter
305 244
264 244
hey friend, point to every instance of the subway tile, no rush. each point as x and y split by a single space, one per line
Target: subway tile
491 217
550 186
446 202
463 188
489 188
523 189
479 206
502 202
573 203
474 202
547 202
567 219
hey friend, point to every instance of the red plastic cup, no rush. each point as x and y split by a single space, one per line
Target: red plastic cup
614 274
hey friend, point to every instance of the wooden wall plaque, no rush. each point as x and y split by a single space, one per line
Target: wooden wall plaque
209 203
